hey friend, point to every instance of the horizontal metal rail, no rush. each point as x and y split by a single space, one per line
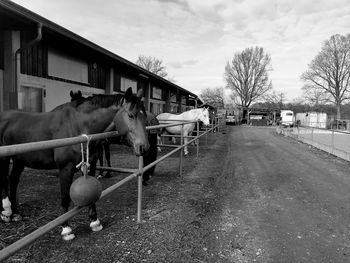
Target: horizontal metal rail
10 150
114 169
14 149
30 238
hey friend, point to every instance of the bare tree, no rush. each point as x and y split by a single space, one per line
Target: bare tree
276 99
214 97
248 75
315 95
330 70
153 65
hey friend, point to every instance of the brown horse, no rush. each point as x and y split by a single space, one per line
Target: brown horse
104 147
148 158
90 115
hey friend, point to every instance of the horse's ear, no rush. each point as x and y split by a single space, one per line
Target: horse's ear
71 93
139 93
79 93
128 94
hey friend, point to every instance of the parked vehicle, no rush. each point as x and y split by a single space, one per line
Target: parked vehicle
287 118
230 117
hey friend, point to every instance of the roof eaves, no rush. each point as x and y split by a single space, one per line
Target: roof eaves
63 31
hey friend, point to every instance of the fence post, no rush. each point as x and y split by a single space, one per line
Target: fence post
139 192
206 139
298 132
197 141
216 124
182 150
332 141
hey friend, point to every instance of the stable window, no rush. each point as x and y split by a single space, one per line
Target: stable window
67 67
2 50
126 83
30 99
173 97
183 100
157 108
157 93
173 108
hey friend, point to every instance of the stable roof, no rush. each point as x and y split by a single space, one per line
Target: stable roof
16 17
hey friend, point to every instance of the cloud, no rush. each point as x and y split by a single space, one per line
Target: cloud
198 37
181 3
180 64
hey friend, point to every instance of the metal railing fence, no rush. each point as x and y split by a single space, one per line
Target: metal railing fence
34 146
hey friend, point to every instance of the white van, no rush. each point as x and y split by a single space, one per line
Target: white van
287 118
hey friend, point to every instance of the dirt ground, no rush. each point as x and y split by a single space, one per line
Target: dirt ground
251 196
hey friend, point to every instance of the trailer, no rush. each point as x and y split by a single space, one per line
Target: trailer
287 118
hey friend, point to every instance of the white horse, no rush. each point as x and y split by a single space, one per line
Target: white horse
200 114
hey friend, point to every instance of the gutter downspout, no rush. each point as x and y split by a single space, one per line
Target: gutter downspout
17 62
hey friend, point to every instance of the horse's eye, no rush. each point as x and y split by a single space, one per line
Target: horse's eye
131 116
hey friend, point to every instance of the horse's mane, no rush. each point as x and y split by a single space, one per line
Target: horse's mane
136 102
101 100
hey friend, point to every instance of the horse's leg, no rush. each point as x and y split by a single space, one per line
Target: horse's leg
100 157
95 150
150 157
185 141
196 141
107 156
95 222
17 169
94 155
66 177
159 141
6 204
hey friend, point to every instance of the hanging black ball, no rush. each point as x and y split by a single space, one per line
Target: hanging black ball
85 191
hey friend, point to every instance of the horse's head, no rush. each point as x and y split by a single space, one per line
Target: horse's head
204 116
130 121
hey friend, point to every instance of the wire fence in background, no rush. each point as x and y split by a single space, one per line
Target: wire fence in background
335 142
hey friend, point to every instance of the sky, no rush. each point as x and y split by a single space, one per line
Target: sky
196 38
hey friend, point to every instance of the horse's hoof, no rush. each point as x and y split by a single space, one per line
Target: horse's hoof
186 153
5 218
68 237
159 149
16 217
96 226
67 234
7 212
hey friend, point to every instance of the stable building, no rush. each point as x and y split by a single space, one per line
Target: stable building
41 62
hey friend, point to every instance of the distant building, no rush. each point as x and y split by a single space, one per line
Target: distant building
312 119
41 62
